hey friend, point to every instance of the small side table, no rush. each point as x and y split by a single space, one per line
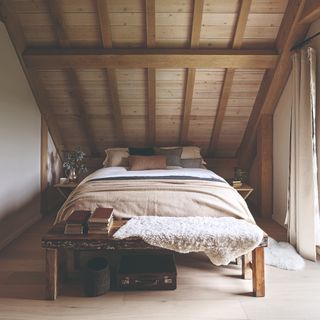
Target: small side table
66 188
245 190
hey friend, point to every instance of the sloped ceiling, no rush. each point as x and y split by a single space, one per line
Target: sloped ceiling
155 100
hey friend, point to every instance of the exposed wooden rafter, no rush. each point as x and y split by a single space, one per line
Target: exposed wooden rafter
291 31
191 72
106 40
116 111
151 73
311 11
104 23
150 58
15 32
77 95
228 78
81 109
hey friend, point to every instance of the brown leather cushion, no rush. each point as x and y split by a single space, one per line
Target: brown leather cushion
147 162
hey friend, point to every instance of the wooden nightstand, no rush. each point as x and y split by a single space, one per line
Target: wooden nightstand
245 190
66 188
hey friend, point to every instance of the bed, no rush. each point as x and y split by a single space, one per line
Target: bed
166 192
172 191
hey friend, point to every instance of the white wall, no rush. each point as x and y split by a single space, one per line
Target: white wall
281 127
19 146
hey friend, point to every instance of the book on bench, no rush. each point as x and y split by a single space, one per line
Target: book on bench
100 221
76 223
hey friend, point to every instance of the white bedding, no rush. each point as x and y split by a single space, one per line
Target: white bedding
122 172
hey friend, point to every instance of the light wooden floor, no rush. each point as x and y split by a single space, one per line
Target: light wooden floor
204 291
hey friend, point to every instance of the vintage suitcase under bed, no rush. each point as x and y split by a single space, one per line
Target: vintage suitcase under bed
147 272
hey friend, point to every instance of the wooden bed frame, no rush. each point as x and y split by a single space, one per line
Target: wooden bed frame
56 243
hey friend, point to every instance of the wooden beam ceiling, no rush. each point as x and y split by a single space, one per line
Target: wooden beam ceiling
17 37
291 31
191 73
106 41
151 73
149 58
228 78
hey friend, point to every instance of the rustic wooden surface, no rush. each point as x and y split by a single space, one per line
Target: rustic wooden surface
150 104
258 277
51 273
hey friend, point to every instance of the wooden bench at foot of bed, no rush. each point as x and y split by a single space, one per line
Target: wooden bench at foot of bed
56 243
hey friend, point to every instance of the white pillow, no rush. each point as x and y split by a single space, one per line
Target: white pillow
116 157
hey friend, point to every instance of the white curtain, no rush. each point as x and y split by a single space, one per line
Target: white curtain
303 199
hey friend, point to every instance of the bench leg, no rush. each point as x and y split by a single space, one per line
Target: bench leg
62 265
246 266
258 281
51 273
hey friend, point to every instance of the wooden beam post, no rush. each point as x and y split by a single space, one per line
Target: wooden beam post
291 31
265 165
258 278
44 165
311 12
51 274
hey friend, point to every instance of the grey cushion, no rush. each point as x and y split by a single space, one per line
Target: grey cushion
191 163
173 156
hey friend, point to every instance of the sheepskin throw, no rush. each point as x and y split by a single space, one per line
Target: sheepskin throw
222 239
283 255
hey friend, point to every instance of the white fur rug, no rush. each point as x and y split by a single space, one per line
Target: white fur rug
222 239
283 255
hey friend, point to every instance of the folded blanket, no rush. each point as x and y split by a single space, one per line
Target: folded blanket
222 239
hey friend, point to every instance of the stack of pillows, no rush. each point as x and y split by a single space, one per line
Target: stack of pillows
154 158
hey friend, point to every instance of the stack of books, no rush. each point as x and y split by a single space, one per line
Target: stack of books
76 223
100 221
236 183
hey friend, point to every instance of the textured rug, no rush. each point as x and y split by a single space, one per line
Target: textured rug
222 239
283 255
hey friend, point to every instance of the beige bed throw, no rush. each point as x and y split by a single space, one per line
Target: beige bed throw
160 197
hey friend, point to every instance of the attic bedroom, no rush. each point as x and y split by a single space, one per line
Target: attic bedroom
159 159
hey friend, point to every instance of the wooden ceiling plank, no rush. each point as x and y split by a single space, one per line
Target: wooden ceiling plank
311 12
106 39
104 23
56 15
291 32
228 79
151 73
150 58
191 72
15 32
